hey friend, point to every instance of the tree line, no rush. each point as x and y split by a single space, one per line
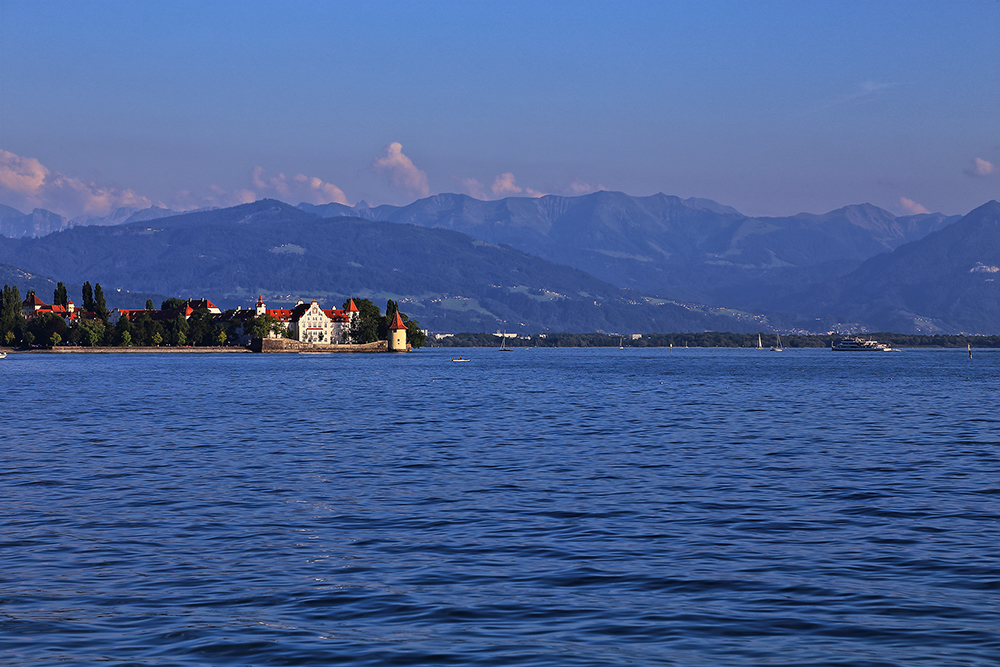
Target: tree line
200 329
707 339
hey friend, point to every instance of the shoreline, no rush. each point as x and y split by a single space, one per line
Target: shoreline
131 350
269 346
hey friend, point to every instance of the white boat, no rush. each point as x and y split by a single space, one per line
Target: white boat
460 359
503 343
760 343
3 355
859 344
777 345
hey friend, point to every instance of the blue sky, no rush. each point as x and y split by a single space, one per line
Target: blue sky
770 107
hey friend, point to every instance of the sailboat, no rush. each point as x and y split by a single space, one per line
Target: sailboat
503 343
760 344
621 340
777 345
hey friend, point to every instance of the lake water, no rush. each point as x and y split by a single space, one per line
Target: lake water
537 507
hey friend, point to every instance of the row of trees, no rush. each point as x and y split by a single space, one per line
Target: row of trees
370 325
201 328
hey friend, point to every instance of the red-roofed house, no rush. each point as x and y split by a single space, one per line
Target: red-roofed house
309 323
32 306
186 310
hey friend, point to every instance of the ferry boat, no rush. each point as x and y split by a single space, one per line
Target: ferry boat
859 344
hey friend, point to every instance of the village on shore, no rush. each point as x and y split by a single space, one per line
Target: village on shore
186 324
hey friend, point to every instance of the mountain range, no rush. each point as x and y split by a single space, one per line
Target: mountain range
690 249
445 279
604 261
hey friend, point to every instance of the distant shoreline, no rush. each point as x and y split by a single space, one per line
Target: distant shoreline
707 339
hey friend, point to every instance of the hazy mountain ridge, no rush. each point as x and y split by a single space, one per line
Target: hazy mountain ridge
445 279
14 224
855 267
691 249
948 281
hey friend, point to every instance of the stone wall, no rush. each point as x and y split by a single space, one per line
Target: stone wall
70 349
289 345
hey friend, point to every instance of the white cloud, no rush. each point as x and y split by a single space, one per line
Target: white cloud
401 171
578 187
980 167
504 185
865 92
297 189
21 175
25 183
911 207
471 187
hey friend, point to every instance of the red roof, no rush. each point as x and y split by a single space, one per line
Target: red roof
337 315
33 300
397 323
351 308
283 314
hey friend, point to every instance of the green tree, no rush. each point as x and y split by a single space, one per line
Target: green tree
365 327
149 304
100 305
156 329
180 331
414 334
59 295
55 339
90 332
11 319
263 325
157 338
200 327
123 329
88 297
390 313
142 329
126 339
43 326
173 303
220 336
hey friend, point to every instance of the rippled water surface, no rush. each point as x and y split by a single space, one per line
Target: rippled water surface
540 507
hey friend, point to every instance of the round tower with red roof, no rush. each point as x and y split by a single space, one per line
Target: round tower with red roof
397 334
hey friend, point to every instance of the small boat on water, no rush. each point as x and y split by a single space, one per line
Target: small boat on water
460 359
777 345
503 343
3 355
859 344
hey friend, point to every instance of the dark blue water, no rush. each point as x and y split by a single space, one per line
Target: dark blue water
540 507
